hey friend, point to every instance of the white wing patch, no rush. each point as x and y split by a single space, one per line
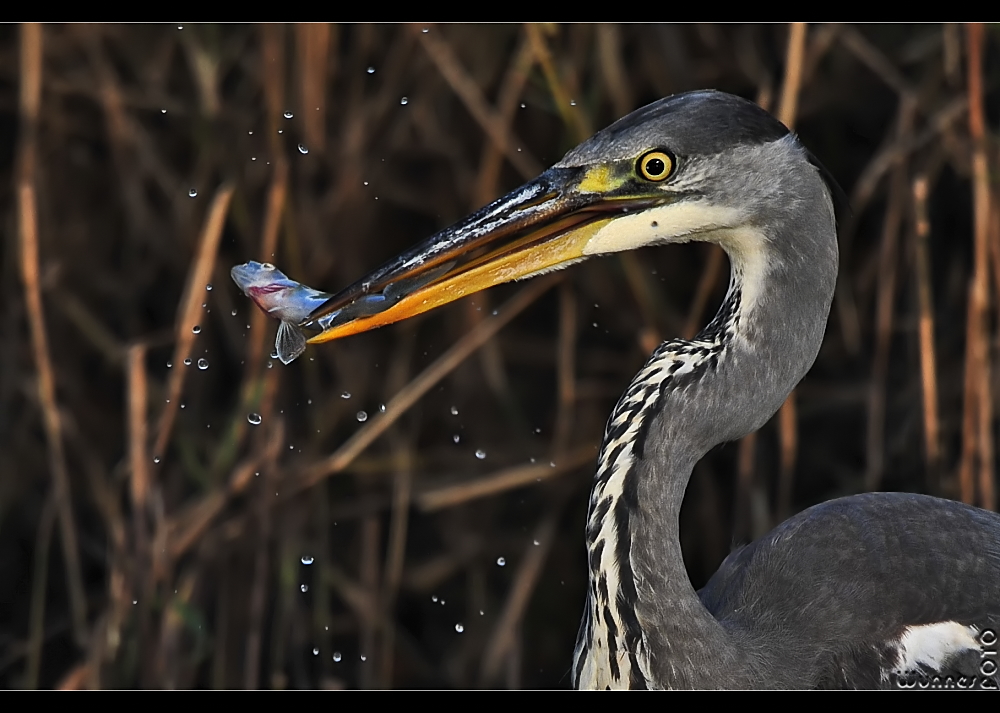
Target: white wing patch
933 645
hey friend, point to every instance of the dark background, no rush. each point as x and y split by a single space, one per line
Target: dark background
326 149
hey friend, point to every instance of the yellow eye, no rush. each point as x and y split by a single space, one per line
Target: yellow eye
656 166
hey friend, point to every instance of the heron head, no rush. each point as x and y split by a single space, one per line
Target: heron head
696 166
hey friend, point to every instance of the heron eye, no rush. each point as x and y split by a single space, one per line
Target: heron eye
656 166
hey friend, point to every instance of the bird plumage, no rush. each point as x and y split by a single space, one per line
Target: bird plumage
857 592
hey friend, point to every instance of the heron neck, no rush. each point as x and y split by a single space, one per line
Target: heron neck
751 357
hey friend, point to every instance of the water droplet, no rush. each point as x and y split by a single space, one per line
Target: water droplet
303 149
187 361
274 354
203 364
254 419
522 106
371 70
362 416
280 131
425 30
363 657
336 656
233 313
135 601
163 111
307 560
454 411
572 102
459 628
196 329
170 365
365 182
404 101
180 27
288 115
482 613
501 562
480 454
303 587
315 651
381 408
346 395
456 438
193 193
208 287
250 132
535 542
434 598
156 459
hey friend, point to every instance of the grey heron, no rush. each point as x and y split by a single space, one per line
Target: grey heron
862 591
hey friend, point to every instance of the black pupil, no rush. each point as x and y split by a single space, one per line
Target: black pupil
655 166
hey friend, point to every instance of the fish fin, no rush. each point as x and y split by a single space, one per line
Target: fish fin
290 342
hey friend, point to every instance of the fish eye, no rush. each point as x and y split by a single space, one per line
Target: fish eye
656 165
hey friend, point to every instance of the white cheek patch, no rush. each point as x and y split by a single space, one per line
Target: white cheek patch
673 223
686 221
932 645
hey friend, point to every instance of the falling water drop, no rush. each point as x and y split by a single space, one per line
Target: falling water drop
254 419
156 459
315 651
304 587
193 193
404 101
454 411
346 395
362 416
303 149
456 438
203 364
208 287
371 70
307 560
480 454
196 329
187 361
170 365
288 115
501 561
336 656
459 628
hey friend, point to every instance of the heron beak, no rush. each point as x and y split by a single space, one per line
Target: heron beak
543 225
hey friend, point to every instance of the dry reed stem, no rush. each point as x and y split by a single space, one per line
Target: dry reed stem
565 369
703 292
574 120
613 71
29 106
369 578
787 419
313 45
439 498
872 58
507 626
885 294
976 436
488 118
928 359
511 88
199 276
421 384
262 565
40 572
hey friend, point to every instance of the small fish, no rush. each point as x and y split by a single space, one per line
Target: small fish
281 298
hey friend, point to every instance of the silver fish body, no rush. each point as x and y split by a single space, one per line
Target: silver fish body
283 299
